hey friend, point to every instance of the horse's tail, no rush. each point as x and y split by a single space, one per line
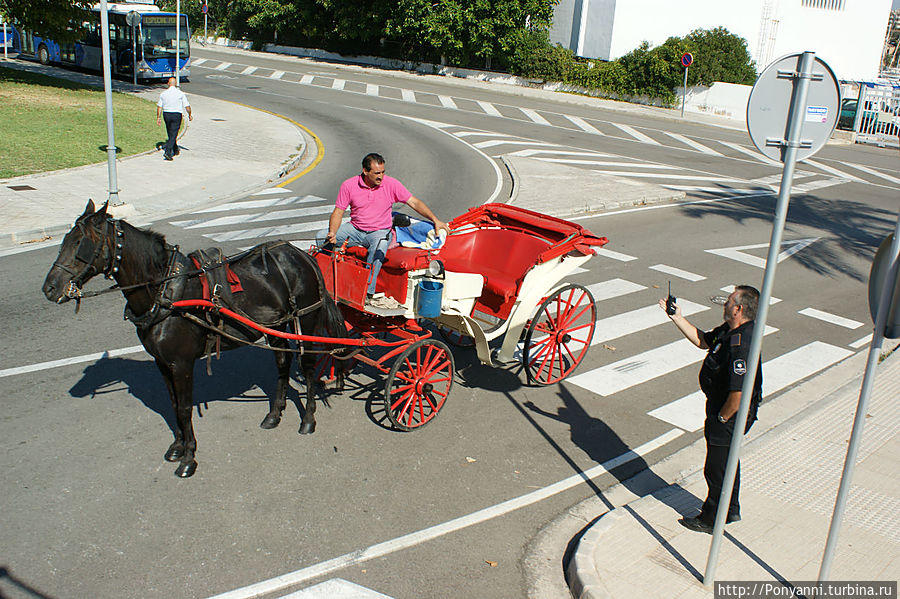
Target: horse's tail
331 320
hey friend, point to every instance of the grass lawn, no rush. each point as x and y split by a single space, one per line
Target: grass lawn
51 123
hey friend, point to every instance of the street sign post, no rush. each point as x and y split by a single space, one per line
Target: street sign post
687 59
781 127
885 272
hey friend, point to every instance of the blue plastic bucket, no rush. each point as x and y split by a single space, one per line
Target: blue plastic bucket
428 302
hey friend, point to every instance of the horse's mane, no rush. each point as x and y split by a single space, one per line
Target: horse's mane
149 244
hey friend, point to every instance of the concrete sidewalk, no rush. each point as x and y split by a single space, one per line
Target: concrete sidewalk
228 150
790 474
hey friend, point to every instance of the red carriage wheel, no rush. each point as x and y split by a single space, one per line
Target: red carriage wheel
559 335
418 384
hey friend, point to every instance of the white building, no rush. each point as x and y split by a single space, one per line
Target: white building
846 34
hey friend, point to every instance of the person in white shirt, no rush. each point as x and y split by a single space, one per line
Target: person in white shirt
172 103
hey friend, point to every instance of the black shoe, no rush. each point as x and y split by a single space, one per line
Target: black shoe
696 524
167 158
732 518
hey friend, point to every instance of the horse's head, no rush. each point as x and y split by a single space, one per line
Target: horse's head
85 251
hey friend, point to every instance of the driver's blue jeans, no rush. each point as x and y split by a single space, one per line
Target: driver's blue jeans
376 242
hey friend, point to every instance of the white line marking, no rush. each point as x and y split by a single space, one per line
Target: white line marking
583 124
642 367
751 153
820 184
246 205
862 342
338 84
198 61
306 80
719 190
682 175
611 163
223 66
447 102
636 134
690 142
242 219
276 75
489 108
615 255
641 319
534 116
729 289
68 361
272 190
483 133
689 412
269 231
736 253
831 169
408 95
840 321
874 172
522 142
249 71
613 288
336 588
537 152
677 272
433 532
371 89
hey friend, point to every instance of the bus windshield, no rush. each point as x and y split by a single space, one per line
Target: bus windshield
158 37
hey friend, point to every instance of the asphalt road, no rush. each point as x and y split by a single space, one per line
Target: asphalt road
92 510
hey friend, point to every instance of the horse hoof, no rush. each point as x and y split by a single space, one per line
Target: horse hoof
186 470
307 428
174 454
270 422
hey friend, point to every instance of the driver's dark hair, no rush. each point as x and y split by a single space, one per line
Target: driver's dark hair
748 299
370 158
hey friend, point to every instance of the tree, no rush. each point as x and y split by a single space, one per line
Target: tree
719 56
51 18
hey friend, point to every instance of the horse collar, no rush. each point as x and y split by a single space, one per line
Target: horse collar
117 241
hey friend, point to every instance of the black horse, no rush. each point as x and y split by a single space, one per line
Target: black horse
282 287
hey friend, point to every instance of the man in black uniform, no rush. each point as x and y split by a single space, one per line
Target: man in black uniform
721 379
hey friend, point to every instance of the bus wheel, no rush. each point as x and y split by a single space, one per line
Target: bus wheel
43 55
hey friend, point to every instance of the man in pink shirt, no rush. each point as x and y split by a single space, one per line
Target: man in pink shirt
370 197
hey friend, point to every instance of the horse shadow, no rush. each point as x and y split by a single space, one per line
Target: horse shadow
240 375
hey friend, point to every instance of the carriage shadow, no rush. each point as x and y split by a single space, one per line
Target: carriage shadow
241 375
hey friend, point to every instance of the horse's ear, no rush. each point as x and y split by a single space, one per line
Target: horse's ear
89 209
102 211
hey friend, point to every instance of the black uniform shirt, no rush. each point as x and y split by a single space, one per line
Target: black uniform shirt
722 372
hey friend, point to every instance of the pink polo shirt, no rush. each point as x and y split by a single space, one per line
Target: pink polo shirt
370 208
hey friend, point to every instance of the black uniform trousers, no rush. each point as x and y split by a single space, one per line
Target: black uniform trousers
173 124
714 472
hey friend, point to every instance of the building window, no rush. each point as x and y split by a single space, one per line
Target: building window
824 4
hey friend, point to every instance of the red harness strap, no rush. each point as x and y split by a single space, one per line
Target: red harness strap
230 276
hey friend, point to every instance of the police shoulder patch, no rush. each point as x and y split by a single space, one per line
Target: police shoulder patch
736 339
740 367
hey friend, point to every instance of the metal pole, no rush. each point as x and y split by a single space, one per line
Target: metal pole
5 56
862 407
134 31
791 145
684 91
107 88
205 14
178 43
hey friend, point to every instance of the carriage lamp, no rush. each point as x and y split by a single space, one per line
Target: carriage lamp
436 268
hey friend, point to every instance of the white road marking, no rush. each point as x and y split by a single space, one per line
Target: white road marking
485 133
615 255
862 342
338 84
689 412
721 190
609 163
416 538
682 175
248 71
521 142
69 361
642 367
636 134
534 116
751 153
831 170
820 184
488 108
276 75
408 95
677 272
371 89
847 323
447 102
540 152
247 205
198 61
268 231
241 219
736 252
613 288
641 319
690 142
884 176
306 80
223 66
336 588
583 124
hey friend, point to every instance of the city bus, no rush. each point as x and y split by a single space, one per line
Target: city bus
135 30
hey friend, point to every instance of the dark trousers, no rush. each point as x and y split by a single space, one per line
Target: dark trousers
173 123
714 471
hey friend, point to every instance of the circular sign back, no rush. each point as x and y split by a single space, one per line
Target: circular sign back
133 18
687 59
769 107
880 267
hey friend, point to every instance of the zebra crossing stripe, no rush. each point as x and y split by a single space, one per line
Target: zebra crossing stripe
681 175
198 61
371 89
535 152
820 184
240 219
690 142
260 232
750 153
338 84
651 364
245 205
612 288
874 172
408 95
614 255
499 142
831 170
447 102
336 588
644 165
583 124
862 342
689 412
223 66
641 319
534 116
677 272
276 75
716 190
847 323
306 80
248 71
636 134
462 134
488 108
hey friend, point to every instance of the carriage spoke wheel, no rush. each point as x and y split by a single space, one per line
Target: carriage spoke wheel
418 384
559 335
455 338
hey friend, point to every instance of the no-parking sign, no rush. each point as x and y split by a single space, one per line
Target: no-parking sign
687 59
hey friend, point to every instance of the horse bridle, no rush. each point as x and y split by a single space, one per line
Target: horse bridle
87 253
